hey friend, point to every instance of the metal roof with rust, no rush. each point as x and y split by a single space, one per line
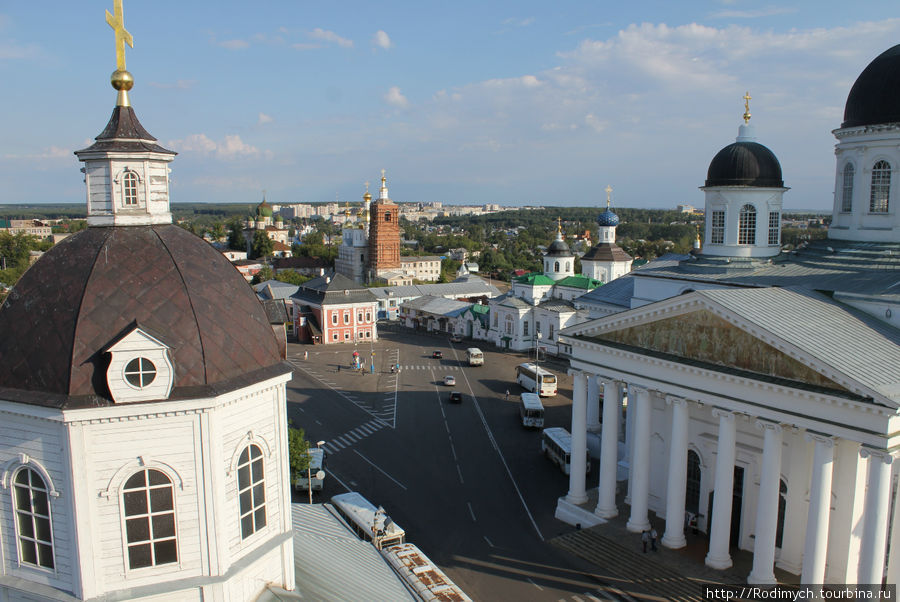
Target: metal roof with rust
95 286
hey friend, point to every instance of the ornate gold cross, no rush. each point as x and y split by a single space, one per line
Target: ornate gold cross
747 98
608 192
117 22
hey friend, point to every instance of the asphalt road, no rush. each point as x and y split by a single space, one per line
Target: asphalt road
466 481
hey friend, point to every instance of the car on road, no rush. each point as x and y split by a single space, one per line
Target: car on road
455 397
437 354
456 339
449 380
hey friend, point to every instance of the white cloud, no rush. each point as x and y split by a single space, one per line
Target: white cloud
231 147
598 125
263 119
517 22
52 152
395 98
234 44
329 36
382 40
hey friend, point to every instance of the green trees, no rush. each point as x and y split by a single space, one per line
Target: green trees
236 241
15 254
261 246
298 452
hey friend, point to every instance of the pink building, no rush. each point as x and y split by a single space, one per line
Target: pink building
334 309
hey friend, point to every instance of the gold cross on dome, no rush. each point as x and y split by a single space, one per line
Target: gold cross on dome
747 98
608 192
117 22
367 187
382 176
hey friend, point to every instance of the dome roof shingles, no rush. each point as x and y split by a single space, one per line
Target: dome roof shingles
608 218
559 248
95 286
873 97
745 163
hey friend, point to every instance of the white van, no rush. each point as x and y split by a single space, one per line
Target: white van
531 410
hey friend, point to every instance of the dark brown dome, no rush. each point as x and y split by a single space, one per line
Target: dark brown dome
97 285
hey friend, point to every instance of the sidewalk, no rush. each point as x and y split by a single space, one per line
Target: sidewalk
663 575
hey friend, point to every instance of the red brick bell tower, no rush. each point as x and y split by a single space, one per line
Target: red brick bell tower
384 234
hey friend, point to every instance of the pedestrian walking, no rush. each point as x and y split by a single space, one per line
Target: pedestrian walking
339 367
653 536
645 539
306 355
507 395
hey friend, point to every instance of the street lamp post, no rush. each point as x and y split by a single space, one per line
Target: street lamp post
320 474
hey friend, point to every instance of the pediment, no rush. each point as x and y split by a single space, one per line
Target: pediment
702 336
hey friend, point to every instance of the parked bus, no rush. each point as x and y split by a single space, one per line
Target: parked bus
316 464
474 356
426 578
531 410
537 380
556 443
361 516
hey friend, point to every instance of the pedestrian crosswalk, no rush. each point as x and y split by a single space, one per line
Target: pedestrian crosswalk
353 436
435 367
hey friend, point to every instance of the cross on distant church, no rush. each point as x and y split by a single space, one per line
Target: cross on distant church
747 98
608 192
367 186
117 22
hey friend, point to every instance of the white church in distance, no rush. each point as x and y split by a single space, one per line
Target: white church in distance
761 389
143 431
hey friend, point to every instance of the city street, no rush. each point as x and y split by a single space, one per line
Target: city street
466 481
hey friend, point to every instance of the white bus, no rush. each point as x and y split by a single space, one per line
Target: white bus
474 356
426 578
531 410
361 516
536 379
316 464
556 443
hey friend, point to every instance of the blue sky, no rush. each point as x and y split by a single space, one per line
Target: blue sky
515 102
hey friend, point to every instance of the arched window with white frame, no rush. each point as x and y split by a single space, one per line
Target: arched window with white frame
880 195
130 189
34 528
148 500
252 490
847 188
747 225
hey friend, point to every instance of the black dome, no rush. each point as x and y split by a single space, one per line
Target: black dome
559 248
745 164
875 97
98 284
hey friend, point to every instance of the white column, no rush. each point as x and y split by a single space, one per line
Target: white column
593 403
578 466
871 558
814 550
630 413
640 464
718 556
767 506
795 507
677 480
609 450
841 524
893 572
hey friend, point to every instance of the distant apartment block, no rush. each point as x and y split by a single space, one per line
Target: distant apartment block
26 226
427 269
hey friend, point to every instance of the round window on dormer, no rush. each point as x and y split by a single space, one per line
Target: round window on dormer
140 372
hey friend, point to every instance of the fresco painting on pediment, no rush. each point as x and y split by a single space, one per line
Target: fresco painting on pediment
703 336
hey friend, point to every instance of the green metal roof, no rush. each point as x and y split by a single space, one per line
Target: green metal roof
535 279
580 281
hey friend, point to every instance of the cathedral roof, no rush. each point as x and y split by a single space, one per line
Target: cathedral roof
606 251
559 248
95 286
124 133
745 163
873 98
579 281
535 279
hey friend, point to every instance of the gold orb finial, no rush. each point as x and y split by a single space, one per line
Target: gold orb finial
747 98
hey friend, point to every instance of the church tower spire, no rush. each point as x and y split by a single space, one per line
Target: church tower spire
125 170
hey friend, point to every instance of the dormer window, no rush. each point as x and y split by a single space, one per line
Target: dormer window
130 189
139 369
